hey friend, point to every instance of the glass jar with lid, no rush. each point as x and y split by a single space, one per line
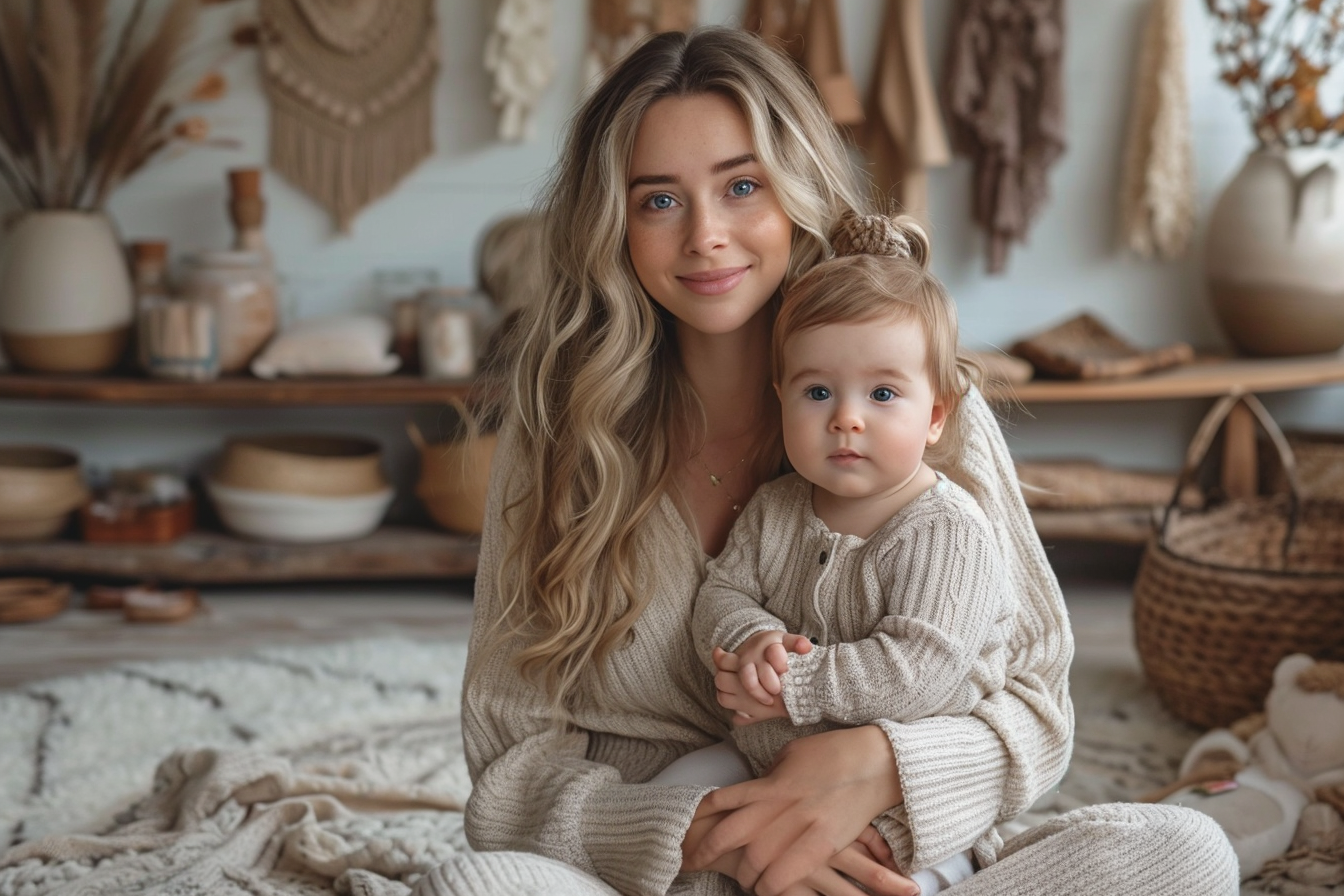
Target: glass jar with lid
240 285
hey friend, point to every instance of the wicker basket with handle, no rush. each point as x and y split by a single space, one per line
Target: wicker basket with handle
1228 589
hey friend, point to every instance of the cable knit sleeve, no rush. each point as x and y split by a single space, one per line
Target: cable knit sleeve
563 793
941 646
963 774
728 607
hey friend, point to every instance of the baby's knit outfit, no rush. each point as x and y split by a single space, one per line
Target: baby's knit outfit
910 622
571 803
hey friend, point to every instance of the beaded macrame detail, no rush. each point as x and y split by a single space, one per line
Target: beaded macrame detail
351 86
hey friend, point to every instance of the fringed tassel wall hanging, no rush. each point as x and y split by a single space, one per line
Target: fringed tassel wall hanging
615 26
904 134
351 86
1006 110
1157 193
518 55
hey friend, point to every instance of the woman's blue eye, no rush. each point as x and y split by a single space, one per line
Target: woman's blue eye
882 393
818 393
743 188
661 201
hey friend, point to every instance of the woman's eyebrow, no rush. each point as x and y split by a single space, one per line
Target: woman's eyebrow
718 168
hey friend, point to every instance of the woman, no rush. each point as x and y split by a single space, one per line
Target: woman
698 179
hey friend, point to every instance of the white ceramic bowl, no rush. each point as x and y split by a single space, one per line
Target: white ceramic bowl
273 516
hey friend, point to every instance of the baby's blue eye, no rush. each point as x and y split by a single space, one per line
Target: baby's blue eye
882 393
743 188
818 393
660 201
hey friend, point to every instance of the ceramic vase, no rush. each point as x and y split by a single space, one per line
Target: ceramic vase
1275 253
65 293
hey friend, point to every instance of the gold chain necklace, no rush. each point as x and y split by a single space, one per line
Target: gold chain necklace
716 480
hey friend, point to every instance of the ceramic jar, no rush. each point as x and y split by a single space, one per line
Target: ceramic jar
1275 253
66 302
241 287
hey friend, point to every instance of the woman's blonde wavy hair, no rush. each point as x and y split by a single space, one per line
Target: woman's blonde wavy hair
594 375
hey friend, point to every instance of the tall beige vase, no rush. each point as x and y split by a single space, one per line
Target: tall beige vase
1275 253
66 302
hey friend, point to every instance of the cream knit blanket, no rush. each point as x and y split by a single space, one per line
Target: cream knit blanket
334 769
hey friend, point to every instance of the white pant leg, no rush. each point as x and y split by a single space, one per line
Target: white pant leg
717 765
952 870
1116 848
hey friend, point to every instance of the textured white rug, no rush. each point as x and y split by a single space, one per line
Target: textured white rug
319 768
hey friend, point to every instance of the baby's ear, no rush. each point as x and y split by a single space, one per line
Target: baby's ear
937 420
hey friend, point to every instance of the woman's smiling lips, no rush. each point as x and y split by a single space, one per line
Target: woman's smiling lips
713 283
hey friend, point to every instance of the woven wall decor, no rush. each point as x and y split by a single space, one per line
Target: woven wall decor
617 25
1005 86
518 55
351 86
809 31
904 135
1157 186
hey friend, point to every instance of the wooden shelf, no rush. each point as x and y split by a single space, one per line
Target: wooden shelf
1116 525
240 391
1207 377
212 558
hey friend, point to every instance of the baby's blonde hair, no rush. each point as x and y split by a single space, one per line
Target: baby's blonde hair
881 273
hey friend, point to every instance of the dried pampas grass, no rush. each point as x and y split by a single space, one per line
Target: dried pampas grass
78 115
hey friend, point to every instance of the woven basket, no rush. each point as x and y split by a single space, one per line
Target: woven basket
1226 590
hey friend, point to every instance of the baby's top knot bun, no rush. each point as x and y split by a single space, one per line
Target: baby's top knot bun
900 237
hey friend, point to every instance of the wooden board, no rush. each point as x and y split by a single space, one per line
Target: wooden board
201 558
240 391
1206 377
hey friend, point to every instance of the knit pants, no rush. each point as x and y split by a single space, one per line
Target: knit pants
1106 850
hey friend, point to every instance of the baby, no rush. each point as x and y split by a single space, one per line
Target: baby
866 585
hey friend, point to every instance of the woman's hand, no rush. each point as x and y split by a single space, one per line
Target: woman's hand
816 800
863 868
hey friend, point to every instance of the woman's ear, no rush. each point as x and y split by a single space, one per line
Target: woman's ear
937 420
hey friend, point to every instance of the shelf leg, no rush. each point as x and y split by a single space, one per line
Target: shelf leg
1240 470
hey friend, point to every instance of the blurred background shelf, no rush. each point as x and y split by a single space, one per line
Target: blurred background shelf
242 391
212 558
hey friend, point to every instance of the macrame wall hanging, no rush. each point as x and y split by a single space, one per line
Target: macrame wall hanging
1005 87
518 55
617 25
809 31
351 86
903 136
1157 188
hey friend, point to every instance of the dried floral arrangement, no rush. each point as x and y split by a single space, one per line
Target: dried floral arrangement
86 103
1276 56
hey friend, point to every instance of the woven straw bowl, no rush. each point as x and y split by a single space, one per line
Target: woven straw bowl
454 477
39 487
302 464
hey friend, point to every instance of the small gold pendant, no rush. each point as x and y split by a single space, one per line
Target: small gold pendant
714 480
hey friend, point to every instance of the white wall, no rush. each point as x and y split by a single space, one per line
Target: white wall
434 219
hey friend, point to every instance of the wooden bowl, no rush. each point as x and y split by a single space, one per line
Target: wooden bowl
295 464
39 487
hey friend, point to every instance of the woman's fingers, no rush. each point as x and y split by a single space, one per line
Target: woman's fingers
856 862
877 847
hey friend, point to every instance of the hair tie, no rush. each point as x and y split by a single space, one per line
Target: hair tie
878 235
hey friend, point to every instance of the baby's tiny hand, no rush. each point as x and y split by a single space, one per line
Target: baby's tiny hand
733 694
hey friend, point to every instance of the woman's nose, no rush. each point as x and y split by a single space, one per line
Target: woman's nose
707 230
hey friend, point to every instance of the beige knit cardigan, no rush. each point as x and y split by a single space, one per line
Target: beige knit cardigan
580 796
